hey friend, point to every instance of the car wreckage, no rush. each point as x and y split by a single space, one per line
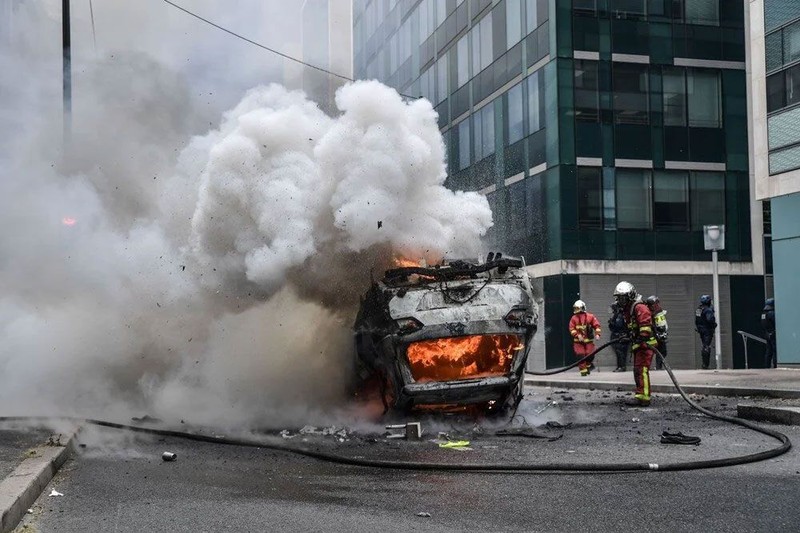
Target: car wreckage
447 337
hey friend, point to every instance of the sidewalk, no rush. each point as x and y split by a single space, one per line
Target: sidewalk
775 383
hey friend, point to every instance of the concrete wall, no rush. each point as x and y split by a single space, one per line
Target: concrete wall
786 258
679 296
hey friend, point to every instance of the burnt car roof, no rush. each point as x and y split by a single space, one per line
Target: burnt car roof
451 271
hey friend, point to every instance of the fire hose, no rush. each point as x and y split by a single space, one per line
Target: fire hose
784 447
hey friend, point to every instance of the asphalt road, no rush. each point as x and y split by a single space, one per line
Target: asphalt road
15 441
118 482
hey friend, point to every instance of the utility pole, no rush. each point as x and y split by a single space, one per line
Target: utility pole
67 74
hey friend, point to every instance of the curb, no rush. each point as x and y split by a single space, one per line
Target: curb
789 416
23 486
709 390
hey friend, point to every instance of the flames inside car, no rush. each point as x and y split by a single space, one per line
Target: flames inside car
447 336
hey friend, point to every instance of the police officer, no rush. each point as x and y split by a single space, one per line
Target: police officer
768 323
705 322
660 322
619 330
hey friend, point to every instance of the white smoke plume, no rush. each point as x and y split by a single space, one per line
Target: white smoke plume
205 273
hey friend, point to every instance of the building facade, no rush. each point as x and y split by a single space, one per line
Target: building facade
326 42
604 133
774 41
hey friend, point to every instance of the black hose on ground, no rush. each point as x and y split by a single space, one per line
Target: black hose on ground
559 370
479 467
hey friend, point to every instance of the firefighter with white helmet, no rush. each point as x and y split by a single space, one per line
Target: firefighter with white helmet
640 330
584 329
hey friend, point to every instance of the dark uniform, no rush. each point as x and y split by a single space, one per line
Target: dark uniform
705 322
619 329
768 323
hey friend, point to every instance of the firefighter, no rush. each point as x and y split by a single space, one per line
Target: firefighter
640 331
661 327
619 331
768 323
585 329
705 322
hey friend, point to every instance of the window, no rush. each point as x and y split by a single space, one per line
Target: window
441 79
708 199
704 12
462 50
514 114
481 36
535 122
587 96
532 18
427 85
585 7
628 9
776 91
674 97
463 144
791 43
590 205
513 22
705 99
774 45
633 199
484 132
671 200
793 85
630 94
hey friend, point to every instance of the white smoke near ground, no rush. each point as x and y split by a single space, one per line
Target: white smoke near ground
209 273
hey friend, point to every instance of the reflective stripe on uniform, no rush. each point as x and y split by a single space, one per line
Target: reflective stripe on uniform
646 381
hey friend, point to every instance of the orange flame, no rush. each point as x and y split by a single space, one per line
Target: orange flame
473 356
402 262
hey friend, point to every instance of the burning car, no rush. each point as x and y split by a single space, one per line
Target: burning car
448 336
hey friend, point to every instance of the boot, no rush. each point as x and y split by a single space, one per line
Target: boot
619 369
584 372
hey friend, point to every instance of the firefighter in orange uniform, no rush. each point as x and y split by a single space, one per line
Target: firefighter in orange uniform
640 330
585 329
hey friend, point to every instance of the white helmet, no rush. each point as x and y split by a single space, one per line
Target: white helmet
579 306
624 293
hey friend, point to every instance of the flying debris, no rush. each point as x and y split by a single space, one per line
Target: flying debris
448 336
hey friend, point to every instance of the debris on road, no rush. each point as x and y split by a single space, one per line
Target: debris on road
527 431
146 419
679 438
410 431
461 445
54 492
169 456
424 515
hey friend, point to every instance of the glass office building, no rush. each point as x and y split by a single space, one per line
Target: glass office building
774 33
604 133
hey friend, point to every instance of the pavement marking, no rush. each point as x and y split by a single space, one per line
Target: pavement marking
22 487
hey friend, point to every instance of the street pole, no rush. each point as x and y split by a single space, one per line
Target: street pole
717 332
67 73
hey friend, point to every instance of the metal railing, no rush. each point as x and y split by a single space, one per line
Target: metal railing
745 337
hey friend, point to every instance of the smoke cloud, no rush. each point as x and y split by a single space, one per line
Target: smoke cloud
197 269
